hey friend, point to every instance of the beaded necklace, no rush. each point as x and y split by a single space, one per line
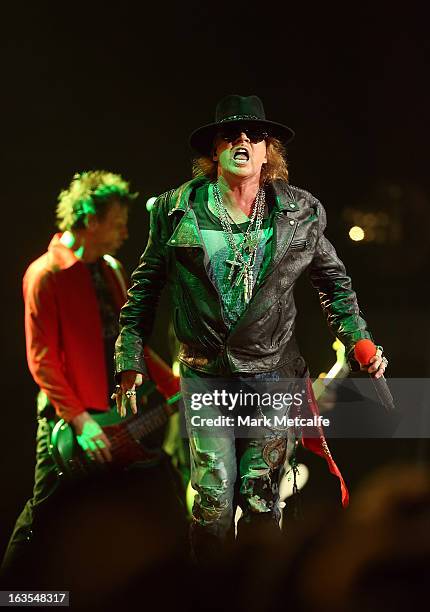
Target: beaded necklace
244 254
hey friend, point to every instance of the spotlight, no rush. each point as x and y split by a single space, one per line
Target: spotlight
356 233
175 368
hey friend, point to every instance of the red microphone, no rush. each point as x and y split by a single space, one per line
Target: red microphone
364 350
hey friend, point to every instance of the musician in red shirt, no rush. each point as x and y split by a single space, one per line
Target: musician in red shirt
73 294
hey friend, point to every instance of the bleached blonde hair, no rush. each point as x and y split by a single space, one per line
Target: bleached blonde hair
91 193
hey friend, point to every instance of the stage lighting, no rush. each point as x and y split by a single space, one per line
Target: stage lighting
150 203
356 233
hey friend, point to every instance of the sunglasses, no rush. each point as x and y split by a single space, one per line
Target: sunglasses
232 133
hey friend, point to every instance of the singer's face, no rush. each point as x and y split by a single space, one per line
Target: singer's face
239 156
109 232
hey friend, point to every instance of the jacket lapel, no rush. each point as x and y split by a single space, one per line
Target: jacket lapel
186 233
284 230
285 225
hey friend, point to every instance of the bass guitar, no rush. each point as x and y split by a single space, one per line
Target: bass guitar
125 435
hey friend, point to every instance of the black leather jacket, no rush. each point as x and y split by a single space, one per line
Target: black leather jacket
263 338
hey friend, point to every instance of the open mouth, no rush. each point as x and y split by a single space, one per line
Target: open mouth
241 155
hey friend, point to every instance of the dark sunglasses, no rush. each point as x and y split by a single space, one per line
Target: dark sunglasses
232 133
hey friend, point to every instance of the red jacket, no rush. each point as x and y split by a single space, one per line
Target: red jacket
63 329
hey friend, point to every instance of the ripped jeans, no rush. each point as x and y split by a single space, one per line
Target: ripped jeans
227 471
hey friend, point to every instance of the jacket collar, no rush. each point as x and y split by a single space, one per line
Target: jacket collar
181 195
284 196
187 234
61 256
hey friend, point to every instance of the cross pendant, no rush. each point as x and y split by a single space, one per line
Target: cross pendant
239 278
234 264
250 243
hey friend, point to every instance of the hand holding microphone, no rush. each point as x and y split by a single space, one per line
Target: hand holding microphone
370 358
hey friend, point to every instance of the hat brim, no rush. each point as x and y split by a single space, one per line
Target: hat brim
201 140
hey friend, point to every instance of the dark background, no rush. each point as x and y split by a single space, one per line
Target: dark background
116 88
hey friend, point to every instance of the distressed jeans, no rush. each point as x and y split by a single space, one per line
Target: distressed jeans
227 471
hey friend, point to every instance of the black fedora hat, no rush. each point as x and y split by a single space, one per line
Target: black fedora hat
236 109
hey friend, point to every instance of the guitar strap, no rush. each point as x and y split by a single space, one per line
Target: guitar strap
116 274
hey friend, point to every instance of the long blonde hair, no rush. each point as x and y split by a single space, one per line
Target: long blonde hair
275 168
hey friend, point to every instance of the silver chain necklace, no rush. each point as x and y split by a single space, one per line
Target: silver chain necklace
244 255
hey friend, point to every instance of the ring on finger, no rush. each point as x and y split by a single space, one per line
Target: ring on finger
130 393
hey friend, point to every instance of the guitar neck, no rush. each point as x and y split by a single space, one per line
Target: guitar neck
150 421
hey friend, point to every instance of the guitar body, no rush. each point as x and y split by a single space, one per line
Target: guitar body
126 437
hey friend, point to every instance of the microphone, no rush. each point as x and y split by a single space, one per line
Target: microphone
364 350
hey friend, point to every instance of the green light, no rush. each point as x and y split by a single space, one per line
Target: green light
111 261
150 203
85 439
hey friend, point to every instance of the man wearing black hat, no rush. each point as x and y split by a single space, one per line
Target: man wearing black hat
232 242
